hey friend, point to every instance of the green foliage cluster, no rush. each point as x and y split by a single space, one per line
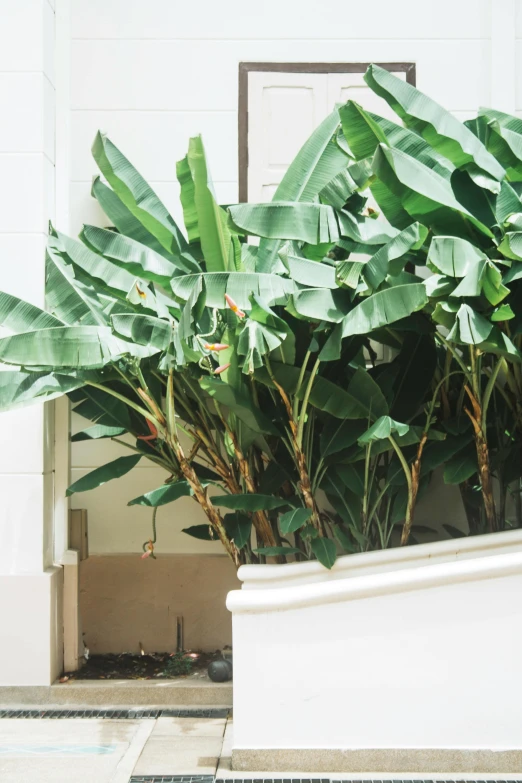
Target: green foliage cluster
303 389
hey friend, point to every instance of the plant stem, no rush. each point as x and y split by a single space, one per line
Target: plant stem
308 391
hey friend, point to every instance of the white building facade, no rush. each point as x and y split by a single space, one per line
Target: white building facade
151 73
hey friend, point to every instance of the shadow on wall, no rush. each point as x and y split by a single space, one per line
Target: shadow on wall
125 600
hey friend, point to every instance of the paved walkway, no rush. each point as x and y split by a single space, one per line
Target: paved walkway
108 751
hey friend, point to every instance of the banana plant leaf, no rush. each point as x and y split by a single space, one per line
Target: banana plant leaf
294 519
205 220
69 294
78 347
383 428
470 327
325 551
238 404
99 476
483 278
137 195
310 273
438 127
365 230
380 265
362 398
238 527
19 388
461 466
144 330
139 260
97 432
511 247
262 333
321 304
101 408
312 223
423 193
114 277
339 189
415 368
384 308
129 226
167 493
19 316
249 502
453 256
273 289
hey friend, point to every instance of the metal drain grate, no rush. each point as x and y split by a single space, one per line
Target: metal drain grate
328 780
172 779
116 714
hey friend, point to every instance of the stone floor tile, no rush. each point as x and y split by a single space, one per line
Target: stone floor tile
189 727
178 755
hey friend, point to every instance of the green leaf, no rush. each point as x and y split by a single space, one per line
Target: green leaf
417 363
320 304
143 330
376 269
99 476
272 289
130 226
383 428
203 532
238 527
263 332
294 519
423 193
502 313
310 273
19 316
137 195
97 432
385 307
249 502
80 347
361 399
238 404
438 127
167 493
19 388
470 327
312 223
207 221
453 256
461 466
325 551
274 551
137 259
511 247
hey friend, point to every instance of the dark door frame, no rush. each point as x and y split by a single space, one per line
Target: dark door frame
246 68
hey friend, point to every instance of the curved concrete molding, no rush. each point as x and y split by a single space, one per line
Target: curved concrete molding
256 577
419 571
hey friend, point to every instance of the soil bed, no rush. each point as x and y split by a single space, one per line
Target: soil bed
129 666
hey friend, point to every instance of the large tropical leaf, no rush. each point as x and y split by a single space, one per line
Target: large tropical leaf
138 259
99 476
380 265
144 330
137 195
424 194
325 551
383 428
167 493
238 404
19 316
306 222
239 285
319 304
310 273
206 221
78 347
362 399
129 225
453 256
19 388
384 308
438 127
97 432
249 502
261 334
470 327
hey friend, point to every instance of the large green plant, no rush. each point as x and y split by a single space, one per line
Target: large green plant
248 371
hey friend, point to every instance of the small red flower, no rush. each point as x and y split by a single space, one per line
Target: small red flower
153 432
234 307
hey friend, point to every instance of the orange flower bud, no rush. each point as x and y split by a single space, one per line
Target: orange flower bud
234 307
221 369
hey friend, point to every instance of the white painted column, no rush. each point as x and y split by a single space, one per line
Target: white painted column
30 587
503 55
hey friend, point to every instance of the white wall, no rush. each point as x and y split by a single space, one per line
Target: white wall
151 73
27 174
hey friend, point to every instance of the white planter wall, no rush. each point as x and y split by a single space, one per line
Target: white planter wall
405 660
